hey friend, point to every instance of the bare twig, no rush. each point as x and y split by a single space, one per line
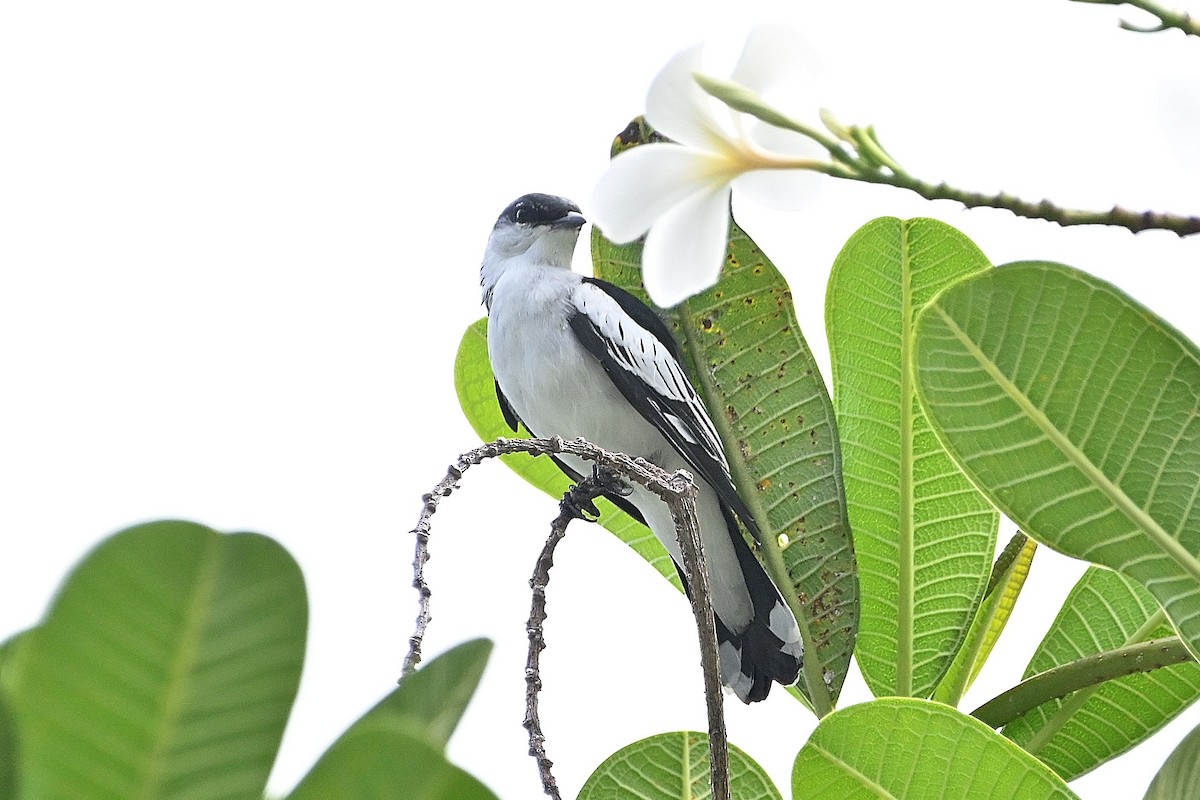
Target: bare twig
678 491
577 497
1167 19
421 532
687 528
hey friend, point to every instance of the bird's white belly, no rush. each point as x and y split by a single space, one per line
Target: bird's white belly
557 388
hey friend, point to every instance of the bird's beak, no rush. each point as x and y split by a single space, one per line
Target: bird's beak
573 219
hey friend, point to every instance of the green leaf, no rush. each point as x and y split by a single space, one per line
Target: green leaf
924 536
9 743
432 699
916 750
1076 410
381 760
1179 778
672 766
476 387
165 668
8 752
1078 733
1008 578
750 363
395 750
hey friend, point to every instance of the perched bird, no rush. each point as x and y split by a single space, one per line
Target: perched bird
580 357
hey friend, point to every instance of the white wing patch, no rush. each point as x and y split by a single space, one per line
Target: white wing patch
639 352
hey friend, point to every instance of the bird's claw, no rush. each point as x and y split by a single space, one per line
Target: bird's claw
610 481
579 502
579 505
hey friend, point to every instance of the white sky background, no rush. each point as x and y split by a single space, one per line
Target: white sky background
239 243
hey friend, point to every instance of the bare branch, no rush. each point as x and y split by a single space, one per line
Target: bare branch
687 530
678 492
421 556
577 497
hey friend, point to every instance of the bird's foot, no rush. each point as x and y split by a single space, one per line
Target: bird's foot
610 481
579 502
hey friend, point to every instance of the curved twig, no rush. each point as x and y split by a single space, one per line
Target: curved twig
579 496
678 491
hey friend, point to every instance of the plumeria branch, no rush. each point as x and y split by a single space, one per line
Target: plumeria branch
857 154
1081 674
678 491
1167 19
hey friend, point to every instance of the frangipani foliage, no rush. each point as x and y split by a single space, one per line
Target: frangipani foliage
166 668
962 392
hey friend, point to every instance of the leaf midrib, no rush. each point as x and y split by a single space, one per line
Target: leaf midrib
196 614
812 667
905 645
862 778
1115 494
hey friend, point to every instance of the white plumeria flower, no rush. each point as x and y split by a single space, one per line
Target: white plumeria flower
677 194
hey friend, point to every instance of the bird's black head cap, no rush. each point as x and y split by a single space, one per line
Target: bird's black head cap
538 209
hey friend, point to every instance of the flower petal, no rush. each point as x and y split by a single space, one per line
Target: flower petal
685 249
774 54
780 189
679 109
783 142
642 184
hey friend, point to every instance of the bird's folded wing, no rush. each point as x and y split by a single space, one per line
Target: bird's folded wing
640 356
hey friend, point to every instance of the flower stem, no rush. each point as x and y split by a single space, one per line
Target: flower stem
1044 209
739 98
1167 19
856 154
873 165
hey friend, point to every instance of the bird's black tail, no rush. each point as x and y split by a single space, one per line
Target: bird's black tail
769 648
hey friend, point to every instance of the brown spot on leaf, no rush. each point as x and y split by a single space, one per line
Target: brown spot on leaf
764 484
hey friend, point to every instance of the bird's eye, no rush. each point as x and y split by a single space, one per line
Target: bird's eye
522 214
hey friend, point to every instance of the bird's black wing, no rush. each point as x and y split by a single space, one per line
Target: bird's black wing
510 416
506 409
640 356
